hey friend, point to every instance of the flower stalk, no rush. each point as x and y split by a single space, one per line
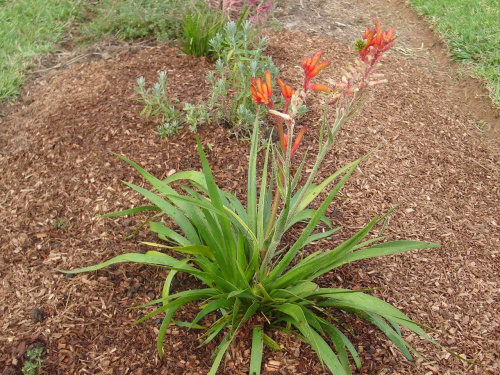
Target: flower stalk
346 94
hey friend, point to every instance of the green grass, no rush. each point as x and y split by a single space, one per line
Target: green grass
29 28
137 19
472 31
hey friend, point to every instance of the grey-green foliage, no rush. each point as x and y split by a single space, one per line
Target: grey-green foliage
33 365
163 108
168 129
157 103
240 56
195 115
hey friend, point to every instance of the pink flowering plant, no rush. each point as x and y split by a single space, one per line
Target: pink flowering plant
249 275
256 11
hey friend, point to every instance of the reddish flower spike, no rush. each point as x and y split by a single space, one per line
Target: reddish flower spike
312 68
377 41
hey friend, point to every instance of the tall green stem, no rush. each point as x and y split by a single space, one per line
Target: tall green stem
277 196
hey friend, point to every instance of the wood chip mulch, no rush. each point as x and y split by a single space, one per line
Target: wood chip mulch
58 173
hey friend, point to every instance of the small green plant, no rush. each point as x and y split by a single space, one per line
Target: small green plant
239 57
60 223
252 277
195 115
33 365
168 129
157 103
199 26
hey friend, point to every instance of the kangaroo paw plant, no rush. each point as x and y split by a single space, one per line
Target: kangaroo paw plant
251 276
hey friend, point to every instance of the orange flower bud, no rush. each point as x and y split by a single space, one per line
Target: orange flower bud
323 88
268 82
297 140
286 90
334 100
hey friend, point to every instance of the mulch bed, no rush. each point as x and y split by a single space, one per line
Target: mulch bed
58 173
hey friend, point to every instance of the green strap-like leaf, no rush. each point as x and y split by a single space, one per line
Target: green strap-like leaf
193 250
214 330
170 210
321 235
208 292
368 303
322 349
391 334
163 329
236 206
340 341
386 248
168 233
216 198
264 195
324 262
306 215
257 350
299 244
192 176
303 198
270 342
226 216
252 179
210 307
188 325
299 291
170 278
131 211
156 259
177 303
221 350
162 186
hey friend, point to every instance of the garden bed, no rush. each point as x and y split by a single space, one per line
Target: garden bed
59 173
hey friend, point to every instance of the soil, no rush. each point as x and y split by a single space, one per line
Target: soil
438 159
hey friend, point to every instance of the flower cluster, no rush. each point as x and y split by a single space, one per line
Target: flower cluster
287 93
355 78
343 93
312 68
262 94
257 11
376 42
262 91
